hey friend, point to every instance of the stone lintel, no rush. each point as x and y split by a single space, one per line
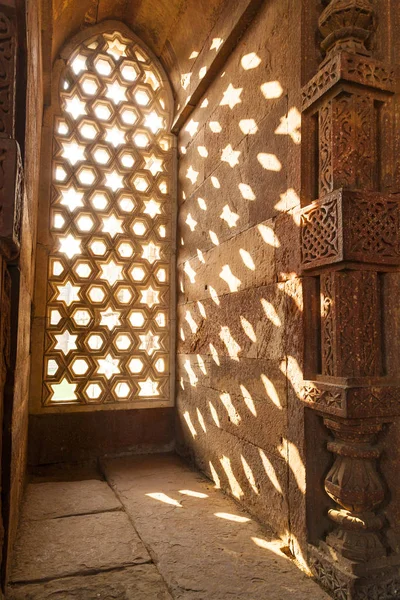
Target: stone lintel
351 226
352 68
352 399
11 195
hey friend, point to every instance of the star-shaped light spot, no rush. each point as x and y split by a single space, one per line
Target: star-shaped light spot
63 391
192 174
154 165
148 387
116 92
112 225
68 293
229 216
75 107
230 156
192 127
108 366
115 136
149 342
231 96
73 152
191 222
154 122
216 43
110 318
71 198
116 49
151 252
111 272
152 208
66 342
114 181
150 297
291 125
70 246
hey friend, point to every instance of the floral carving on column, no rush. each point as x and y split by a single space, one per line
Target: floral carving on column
347 25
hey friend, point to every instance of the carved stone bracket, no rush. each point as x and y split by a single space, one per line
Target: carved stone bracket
11 196
353 400
350 68
344 226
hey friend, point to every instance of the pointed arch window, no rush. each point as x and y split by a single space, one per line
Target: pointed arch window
107 305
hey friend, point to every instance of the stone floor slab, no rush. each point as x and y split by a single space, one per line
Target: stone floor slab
59 499
203 544
73 545
142 582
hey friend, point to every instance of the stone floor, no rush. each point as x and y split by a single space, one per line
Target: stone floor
146 528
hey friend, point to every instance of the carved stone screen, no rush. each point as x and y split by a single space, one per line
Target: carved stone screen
108 294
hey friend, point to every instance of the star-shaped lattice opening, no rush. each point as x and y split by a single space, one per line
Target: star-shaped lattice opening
65 342
110 167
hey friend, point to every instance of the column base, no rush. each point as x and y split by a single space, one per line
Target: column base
348 580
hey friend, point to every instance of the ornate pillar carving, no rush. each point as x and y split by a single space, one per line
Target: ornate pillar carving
350 235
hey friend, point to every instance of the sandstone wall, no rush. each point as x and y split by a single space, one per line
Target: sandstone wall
22 273
240 296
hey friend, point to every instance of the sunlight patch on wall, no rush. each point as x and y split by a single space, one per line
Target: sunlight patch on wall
233 282
230 156
290 125
247 259
250 61
231 96
268 235
214 354
236 490
250 475
270 312
232 346
248 400
270 162
189 423
229 216
248 126
215 477
246 191
271 89
201 420
234 416
248 329
270 471
271 391
214 414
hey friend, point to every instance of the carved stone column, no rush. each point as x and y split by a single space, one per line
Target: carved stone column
350 235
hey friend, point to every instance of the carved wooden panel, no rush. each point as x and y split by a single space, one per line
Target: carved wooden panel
107 322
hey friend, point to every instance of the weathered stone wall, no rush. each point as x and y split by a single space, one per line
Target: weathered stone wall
23 271
240 299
